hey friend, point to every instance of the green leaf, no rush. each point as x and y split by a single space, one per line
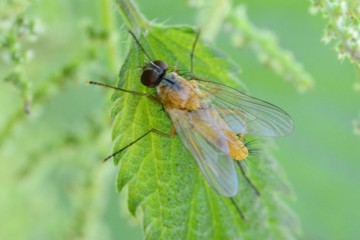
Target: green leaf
165 186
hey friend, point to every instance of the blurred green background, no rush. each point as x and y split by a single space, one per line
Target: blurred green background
52 184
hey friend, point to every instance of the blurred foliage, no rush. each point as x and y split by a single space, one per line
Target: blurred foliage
245 33
342 27
17 29
268 51
54 130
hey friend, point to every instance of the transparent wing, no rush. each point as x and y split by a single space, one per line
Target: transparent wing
246 114
217 167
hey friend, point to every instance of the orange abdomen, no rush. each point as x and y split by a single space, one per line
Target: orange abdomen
237 148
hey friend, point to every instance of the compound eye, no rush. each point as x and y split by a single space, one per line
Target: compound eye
150 78
161 64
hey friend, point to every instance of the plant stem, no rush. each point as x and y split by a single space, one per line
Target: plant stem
132 14
109 26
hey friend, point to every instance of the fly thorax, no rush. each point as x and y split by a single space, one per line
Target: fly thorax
177 92
172 81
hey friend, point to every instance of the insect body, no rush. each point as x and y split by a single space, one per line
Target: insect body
186 102
207 117
210 119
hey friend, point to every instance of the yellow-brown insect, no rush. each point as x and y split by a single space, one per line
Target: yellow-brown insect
184 101
210 120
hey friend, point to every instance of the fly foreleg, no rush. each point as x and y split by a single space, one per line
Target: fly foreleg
153 130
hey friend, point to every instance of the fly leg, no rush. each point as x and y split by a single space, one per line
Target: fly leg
257 192
241 167
247 179
193 52
137 41
238 209
153 130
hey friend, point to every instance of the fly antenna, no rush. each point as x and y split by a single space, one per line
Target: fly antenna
139 44
151 97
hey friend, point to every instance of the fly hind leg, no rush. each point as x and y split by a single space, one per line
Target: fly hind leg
247 179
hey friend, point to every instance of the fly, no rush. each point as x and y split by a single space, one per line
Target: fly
210 119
